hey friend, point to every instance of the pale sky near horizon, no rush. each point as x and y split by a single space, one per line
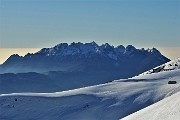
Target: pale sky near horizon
35 24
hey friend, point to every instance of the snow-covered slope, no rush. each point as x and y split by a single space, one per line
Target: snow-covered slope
166 109
50 81
110 101
172 65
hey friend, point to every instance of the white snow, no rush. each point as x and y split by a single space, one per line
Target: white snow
172 65
166 109
110 101
79 48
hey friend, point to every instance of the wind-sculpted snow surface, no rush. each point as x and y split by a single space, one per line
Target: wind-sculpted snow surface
110 101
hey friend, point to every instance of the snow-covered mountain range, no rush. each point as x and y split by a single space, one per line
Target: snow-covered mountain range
111 101
87 57
66 66
87 49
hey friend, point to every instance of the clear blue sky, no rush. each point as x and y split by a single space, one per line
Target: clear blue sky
44 23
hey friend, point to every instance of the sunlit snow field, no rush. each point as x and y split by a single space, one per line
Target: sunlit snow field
113 100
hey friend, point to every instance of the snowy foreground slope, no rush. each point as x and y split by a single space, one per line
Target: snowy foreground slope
110 101
166 109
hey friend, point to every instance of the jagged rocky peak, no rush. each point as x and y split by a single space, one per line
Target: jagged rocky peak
93 43
73 44
91 47
28 55
130 48
154 51
43 51
15 55
106 46
120 49
61 45
79 48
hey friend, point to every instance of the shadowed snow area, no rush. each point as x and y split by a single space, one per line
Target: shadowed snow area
110 101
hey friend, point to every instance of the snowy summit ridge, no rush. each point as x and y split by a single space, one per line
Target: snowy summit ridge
64 49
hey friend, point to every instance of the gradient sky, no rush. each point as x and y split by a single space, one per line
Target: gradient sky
45 23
